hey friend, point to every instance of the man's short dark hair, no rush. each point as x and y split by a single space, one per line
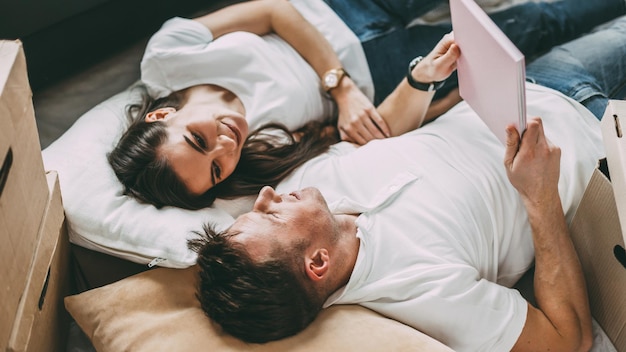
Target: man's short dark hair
255 302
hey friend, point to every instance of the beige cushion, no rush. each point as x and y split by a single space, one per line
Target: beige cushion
157 311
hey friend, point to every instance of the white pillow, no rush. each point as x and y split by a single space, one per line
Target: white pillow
100 217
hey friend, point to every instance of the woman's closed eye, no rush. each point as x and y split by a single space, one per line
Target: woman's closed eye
199 140
217 172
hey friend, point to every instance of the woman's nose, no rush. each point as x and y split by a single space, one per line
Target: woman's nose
225 144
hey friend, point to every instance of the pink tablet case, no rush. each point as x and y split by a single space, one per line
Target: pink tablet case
491 69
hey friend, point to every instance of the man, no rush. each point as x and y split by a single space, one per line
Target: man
275 268
427 228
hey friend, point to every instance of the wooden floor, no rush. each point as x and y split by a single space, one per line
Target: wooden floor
57 106
77 63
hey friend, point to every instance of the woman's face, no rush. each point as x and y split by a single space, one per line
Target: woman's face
204 143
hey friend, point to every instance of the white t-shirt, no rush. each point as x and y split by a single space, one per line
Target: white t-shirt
274 83
443 234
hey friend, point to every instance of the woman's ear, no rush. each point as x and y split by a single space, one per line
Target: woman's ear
317 265
159 114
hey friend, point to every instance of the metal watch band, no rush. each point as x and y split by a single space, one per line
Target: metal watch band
426 87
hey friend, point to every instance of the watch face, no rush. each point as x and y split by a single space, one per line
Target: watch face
330 80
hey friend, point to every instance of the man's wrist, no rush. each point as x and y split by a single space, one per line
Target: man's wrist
427 87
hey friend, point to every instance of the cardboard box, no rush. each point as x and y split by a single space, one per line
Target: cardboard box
34 254
23 186
598 230
41 322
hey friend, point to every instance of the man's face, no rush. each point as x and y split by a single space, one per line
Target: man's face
276 221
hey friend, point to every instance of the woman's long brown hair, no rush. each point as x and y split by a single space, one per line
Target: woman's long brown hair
272 152
269 154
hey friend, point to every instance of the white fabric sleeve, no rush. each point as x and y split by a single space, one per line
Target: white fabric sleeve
175 39
177 33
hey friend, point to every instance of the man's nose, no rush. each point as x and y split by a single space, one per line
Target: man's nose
271 194
267 195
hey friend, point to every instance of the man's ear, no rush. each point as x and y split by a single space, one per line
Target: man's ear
159 114
317 264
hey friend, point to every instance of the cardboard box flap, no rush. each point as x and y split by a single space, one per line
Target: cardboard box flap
614 135
596 234
40 299
14 85
9 50
597 230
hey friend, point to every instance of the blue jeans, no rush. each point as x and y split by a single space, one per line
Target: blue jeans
590 69
389 45
370 19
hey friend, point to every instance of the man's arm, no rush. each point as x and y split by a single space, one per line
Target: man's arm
405 109
561 321
358 119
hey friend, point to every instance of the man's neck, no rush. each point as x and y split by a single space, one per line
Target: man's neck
346 224
347 247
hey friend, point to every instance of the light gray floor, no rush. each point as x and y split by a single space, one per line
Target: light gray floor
58 106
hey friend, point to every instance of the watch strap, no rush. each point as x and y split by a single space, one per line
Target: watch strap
426 87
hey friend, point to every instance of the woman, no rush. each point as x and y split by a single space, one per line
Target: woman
248 80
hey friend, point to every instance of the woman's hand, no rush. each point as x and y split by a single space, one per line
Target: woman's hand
359 121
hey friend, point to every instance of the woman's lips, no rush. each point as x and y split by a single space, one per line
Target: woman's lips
235 130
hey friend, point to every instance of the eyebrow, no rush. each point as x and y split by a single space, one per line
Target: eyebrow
199 150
